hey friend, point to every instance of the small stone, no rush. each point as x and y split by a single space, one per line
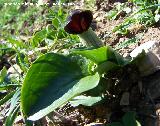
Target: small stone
125 99
95 15
95 124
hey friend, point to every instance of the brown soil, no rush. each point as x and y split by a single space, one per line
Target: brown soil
139 101
111 110
104 28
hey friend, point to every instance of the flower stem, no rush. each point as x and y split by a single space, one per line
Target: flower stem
90 38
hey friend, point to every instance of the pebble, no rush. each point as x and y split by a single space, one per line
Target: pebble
95 124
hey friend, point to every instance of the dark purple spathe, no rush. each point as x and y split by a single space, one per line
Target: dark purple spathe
78 22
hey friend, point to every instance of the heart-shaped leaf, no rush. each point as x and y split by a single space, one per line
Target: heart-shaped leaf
80 86
51 81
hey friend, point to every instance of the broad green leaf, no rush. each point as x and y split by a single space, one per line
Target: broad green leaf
85 100
129 119
51 81
101 55
100 89
106 67
79 87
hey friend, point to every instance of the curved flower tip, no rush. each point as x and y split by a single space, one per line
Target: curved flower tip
78 22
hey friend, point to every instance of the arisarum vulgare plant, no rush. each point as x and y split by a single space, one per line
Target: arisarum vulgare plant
79 23
55 79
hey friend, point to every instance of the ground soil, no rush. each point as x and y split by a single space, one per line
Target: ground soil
111 110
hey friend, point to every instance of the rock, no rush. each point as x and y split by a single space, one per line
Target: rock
14 71
145 46
19 119
150 63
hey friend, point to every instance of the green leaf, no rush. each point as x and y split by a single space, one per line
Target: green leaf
3 74
111 14
59 34
14 101
115 124
20 60
14 108
126 43
10 119
55 23
8 86
85 100
101 55
6 98
39 37
79 87
17 43
51 81
106 67
129 119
